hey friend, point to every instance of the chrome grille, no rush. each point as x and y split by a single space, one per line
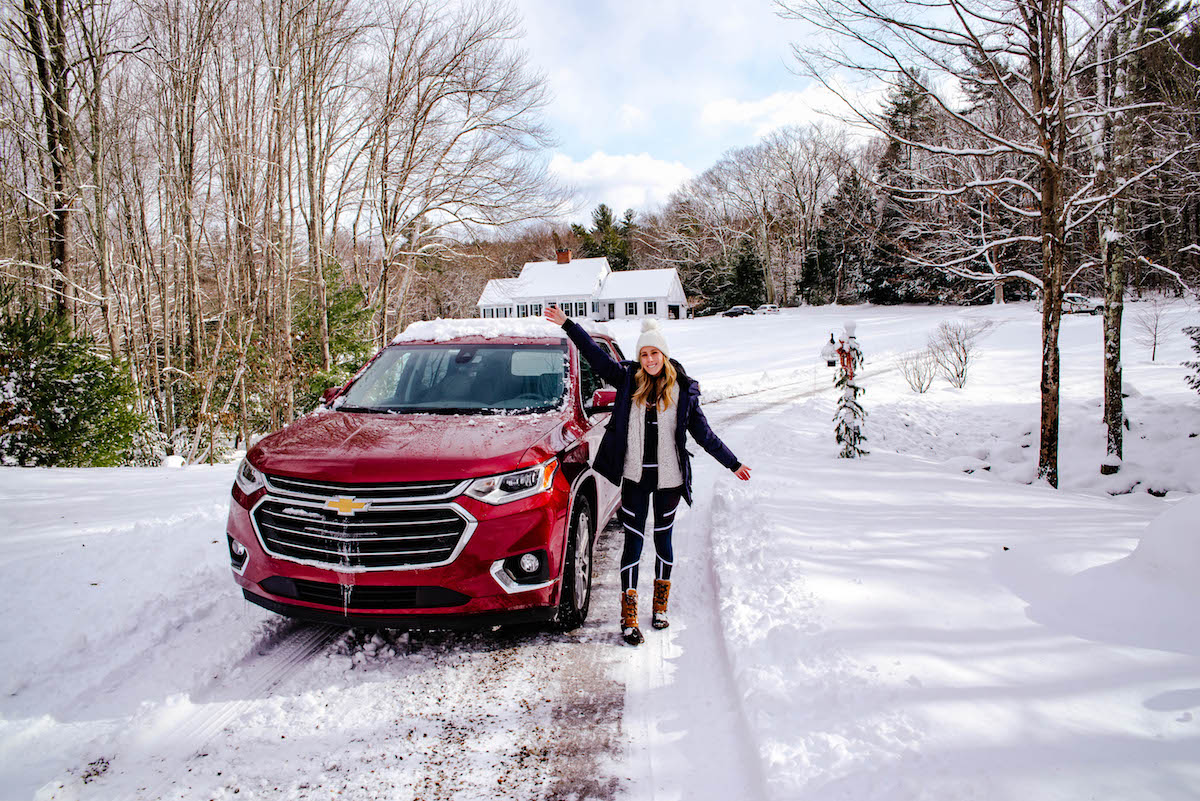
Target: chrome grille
368 526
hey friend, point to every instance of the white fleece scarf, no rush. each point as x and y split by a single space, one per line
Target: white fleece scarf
669 472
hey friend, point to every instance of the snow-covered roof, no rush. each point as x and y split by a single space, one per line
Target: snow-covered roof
497 292
442 330
547 279
638 284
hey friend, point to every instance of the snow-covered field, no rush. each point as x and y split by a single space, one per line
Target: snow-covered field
926 622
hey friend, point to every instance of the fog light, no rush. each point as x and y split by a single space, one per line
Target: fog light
529 563
238 555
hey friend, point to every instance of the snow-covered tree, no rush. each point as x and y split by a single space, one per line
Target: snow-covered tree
1039 56
850 414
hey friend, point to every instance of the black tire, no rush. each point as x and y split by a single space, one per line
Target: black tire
577 569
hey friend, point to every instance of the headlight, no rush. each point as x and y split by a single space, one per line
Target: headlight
514 486
249 478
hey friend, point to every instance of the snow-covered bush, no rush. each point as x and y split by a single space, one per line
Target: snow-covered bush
60 403
1193 331
952 347
918 370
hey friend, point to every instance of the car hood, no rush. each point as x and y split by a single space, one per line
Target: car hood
369 448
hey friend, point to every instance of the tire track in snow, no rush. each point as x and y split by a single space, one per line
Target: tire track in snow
275 658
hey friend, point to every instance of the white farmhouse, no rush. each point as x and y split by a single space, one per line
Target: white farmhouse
584 288
641 293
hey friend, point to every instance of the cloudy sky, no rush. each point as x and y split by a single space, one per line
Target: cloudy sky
648 93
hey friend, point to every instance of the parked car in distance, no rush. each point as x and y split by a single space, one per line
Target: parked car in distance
447 485
1075 303
737 311
767 308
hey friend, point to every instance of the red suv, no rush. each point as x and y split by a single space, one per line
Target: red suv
448 484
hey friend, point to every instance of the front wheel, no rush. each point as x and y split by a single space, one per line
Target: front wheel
577 569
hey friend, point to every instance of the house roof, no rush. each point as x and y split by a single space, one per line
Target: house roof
497 292
639 284
547 279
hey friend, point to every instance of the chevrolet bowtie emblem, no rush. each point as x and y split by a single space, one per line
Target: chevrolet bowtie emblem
345 506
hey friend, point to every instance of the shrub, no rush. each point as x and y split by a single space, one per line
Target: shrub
952 346
1193 331
918 369
60 403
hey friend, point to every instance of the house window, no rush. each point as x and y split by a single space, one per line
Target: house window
523 310
595 307
631 308
487 312
651 307
537 309
581 309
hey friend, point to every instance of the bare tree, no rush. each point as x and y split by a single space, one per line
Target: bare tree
38 30
454 129
1148 324
1036 54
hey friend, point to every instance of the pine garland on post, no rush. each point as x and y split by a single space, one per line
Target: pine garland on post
850 413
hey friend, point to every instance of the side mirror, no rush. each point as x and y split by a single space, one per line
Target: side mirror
328 395
602 400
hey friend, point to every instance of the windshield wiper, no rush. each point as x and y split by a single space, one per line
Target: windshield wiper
345 407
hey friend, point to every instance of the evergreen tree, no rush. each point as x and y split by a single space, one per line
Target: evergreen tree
350 343
818 279
737 281
835 266
850 413
1193 381
61 404
608 237
903 230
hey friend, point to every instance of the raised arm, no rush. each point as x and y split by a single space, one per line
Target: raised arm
601 360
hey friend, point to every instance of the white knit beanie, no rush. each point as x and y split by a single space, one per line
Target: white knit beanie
652 335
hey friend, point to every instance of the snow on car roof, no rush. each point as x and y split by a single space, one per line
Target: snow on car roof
443 330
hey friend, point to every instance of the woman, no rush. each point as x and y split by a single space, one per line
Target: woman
643 450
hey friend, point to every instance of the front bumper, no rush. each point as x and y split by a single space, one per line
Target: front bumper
468 592
385 620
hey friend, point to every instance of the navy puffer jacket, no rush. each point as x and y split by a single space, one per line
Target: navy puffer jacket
610 457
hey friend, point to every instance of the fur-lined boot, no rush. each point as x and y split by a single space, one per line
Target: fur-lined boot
662 591
629 621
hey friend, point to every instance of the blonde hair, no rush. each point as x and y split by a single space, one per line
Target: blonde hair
655 389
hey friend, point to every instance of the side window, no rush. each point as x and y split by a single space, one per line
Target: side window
631 309
651 307
589 382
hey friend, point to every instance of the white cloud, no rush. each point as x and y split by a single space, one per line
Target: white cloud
815 104
631 117
637 181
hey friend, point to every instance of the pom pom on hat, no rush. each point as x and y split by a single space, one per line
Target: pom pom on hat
652 336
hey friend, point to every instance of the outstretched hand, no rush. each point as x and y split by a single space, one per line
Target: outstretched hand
555 315
743 473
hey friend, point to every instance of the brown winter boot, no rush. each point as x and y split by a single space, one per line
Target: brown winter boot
629 622
662 590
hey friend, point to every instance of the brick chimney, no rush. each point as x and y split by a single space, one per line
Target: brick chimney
564 255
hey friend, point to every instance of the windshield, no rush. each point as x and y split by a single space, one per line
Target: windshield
461 379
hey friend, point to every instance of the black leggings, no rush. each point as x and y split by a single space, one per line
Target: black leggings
635 503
